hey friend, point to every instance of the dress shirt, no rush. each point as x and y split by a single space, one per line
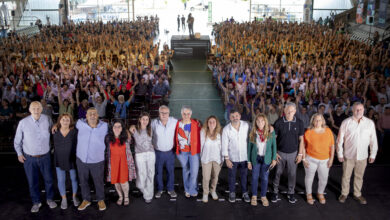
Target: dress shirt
163 136
356 138
33 136
90 141
234 143
211 150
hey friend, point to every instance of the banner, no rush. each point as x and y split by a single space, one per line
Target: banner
359 12
370 12
382 12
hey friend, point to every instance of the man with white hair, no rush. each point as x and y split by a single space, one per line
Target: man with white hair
356 134
32 145
187 150
121 105
289 132
163 130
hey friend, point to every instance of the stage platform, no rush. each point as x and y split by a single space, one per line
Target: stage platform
15 202
191 47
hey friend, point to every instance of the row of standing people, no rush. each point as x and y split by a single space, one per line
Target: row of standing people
258 148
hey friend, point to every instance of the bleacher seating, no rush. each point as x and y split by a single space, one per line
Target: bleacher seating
28 31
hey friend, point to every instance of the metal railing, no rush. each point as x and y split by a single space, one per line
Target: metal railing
31 19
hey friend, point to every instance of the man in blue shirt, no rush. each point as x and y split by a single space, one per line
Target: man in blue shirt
90 155
121 106
161 89
163 141
32 146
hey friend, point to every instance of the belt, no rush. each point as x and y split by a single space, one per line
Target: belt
36 156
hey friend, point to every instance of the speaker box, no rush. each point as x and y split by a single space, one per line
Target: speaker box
13 13
371 19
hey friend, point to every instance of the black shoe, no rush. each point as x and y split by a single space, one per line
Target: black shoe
232 197
246 198
172 194
274 197
291 198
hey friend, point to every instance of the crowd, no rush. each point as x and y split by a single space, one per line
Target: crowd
288 90
73 67
259 66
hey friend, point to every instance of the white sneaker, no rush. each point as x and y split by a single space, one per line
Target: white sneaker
51 203
214 195
64 203
205 198
35 207
76 201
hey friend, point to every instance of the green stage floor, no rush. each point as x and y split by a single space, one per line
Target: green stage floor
192 85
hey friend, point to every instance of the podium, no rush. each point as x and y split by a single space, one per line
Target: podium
190 47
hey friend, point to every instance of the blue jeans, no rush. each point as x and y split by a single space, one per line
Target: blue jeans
243 166
33 166
260 169
61 178
190 164
167 159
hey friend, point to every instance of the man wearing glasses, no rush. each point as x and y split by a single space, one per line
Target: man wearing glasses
163 129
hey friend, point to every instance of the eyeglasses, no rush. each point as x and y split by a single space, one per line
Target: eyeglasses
164 113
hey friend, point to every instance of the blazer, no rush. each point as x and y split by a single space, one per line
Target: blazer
270 150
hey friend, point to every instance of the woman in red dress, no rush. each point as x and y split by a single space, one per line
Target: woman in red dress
121 168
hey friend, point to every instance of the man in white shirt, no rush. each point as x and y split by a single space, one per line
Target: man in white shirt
163 130
357 133
234 149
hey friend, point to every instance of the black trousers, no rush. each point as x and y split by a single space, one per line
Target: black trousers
97 172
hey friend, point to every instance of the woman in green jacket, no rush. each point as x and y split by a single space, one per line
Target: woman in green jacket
261 156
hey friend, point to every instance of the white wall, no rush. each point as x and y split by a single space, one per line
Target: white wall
31 16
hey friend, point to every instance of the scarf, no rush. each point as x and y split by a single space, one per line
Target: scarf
261 135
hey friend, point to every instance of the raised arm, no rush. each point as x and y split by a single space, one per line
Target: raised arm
59 92
77 98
